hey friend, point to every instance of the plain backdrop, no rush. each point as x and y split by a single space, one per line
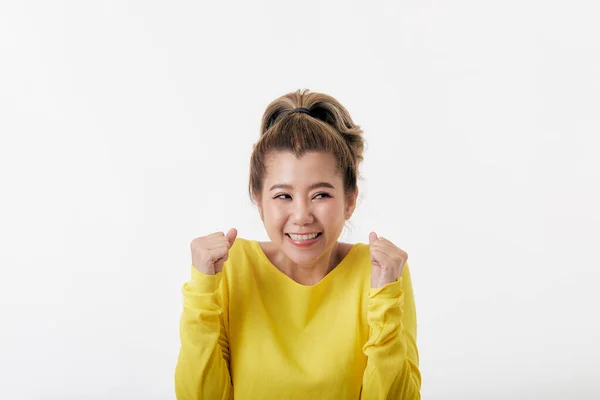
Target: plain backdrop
126 131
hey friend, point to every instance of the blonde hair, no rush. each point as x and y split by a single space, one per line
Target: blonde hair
328 128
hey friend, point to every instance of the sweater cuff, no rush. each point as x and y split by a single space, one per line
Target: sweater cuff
204 283
392 290
384 315
385 305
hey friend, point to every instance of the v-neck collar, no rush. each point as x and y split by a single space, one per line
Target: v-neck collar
283 277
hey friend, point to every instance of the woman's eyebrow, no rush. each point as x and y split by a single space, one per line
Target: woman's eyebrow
311 187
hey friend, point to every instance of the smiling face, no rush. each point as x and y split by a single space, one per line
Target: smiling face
303 205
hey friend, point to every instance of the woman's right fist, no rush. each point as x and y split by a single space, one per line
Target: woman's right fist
210 252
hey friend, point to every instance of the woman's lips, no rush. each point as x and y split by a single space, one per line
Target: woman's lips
304 243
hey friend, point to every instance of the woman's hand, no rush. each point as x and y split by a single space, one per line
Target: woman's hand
387 261
210 252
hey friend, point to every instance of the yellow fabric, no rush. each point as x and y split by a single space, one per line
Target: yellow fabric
251 332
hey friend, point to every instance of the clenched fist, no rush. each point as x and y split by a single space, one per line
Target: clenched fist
387 261
210 252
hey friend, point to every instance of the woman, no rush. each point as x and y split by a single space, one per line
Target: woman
302 316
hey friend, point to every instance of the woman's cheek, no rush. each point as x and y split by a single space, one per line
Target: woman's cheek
330 209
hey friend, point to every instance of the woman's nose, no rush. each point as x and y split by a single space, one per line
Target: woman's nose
302 214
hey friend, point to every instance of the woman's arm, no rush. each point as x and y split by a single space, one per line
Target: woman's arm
392 370
202 370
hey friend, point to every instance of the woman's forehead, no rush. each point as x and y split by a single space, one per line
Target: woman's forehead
307 169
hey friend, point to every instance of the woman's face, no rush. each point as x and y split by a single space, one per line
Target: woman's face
303 206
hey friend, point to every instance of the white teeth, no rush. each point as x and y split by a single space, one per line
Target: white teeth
303 237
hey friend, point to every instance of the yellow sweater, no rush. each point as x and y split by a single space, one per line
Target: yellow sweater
251 332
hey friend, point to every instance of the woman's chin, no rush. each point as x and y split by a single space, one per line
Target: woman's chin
303 254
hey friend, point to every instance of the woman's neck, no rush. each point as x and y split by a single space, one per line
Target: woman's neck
309 274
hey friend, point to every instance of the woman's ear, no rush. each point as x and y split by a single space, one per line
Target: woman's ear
350 204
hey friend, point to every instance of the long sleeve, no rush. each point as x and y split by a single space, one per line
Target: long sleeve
392 370
202 370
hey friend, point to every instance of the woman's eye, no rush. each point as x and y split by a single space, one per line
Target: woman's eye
287 196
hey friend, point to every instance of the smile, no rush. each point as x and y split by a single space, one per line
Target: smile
303 237
303 241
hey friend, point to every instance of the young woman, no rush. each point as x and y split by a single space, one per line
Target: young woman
302 316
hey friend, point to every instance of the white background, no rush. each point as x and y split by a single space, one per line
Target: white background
126 130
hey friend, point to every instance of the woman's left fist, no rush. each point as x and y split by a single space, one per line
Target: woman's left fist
387 261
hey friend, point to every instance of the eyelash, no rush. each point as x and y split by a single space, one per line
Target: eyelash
283 194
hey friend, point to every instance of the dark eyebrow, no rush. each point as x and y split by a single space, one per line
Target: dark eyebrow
311 187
